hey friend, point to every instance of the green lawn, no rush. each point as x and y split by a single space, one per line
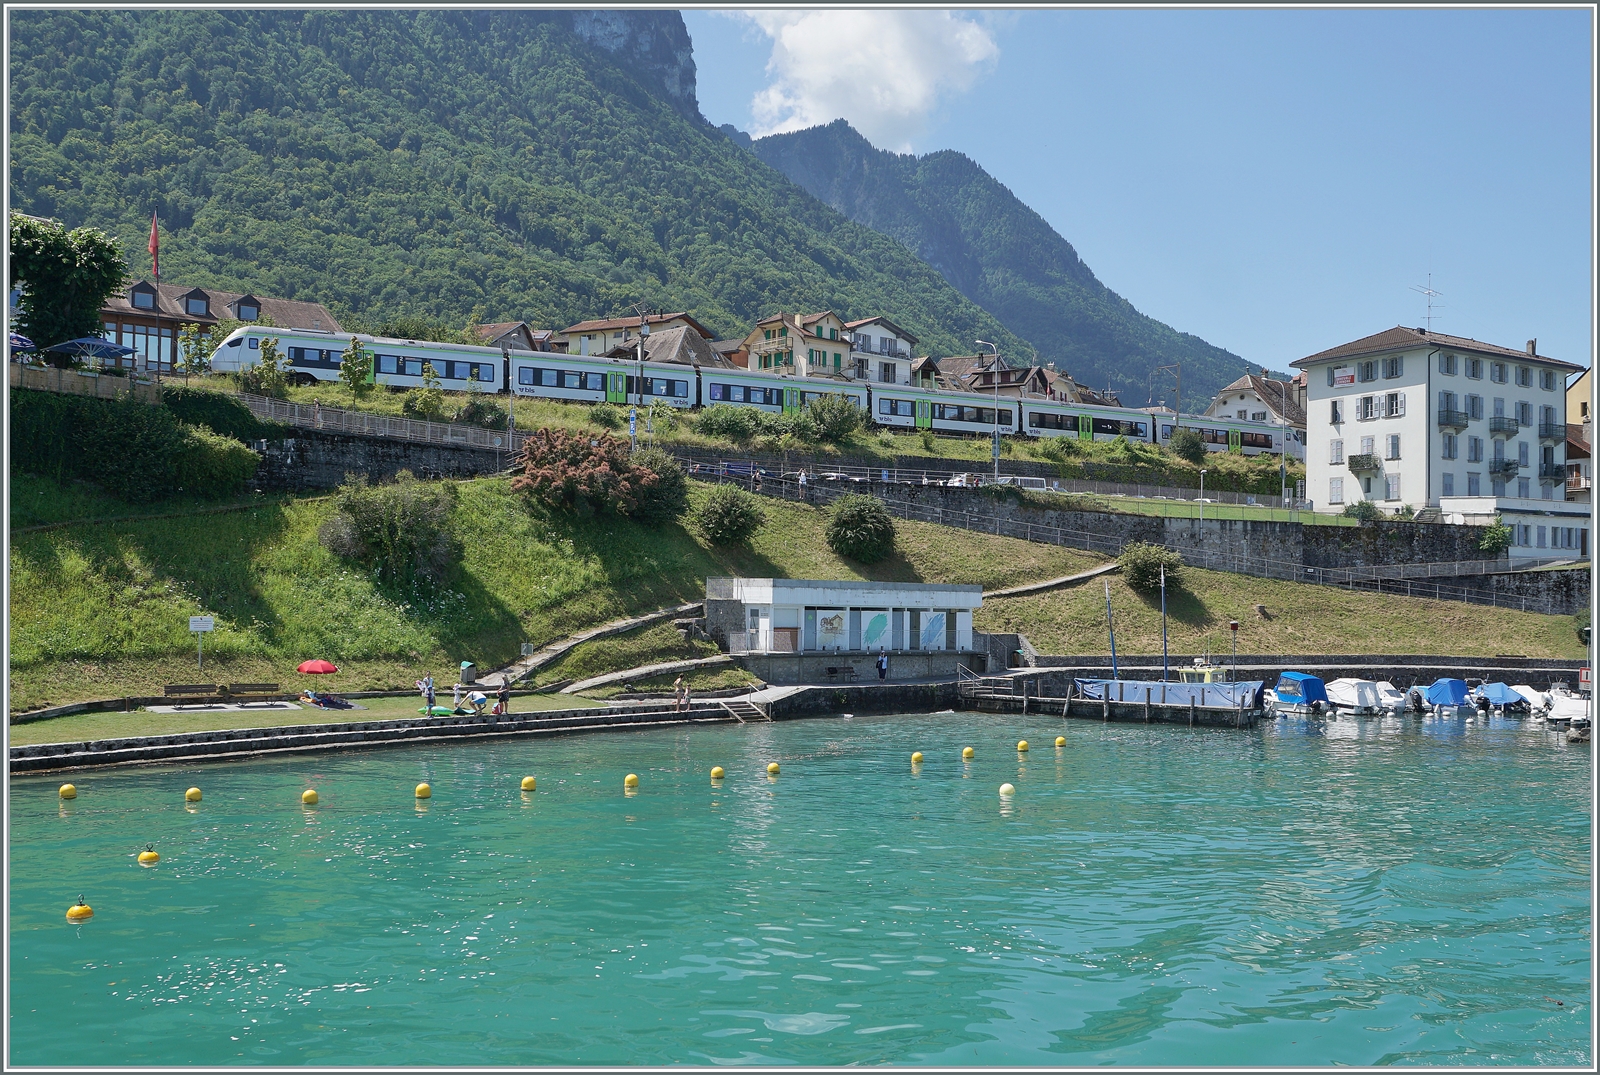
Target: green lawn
1304 619
100 610
647 645
84 727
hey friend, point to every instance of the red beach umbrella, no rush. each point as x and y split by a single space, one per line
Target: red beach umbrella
317 668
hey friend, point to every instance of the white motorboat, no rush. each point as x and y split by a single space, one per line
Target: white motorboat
1538 701
1358 697
1390 700
1568 708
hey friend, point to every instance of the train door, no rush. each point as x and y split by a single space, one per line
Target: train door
616 388
1235 439
1085 427
791 401
924 414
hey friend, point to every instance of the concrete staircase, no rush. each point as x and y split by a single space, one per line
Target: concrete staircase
745 712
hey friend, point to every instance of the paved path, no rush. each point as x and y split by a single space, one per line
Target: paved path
645 672
1050 584
556 650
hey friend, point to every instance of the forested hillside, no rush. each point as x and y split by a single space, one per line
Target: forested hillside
1003 256
492 165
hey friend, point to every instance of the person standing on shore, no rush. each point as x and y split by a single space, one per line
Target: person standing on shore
427 689
883 664
503 696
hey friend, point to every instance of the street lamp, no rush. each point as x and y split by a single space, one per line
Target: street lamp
1202 500
995 371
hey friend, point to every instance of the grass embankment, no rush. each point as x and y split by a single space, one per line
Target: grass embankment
645 646
1304 619
100 610
1132 463
86 727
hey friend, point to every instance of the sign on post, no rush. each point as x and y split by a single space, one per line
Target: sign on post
633 427
200 625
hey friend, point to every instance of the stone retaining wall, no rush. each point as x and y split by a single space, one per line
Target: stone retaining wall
317 459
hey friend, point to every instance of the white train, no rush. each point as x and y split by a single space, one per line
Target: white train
316 356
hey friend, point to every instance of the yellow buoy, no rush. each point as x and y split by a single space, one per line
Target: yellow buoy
1007 790
148 856
772 768
966 752
424 791
1022 745
916 757
717 773
192 795
68 791
309 796
79 911
529 783
631 780
1061 740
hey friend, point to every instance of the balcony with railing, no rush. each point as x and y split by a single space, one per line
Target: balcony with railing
1579 483
1552 471
1504 467
1453 419
1502 425
1364 461
1552 431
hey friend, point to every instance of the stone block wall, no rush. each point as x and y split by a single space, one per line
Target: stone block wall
317 459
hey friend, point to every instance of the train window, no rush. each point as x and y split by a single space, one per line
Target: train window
413 367
905 408
571 379
736 393
550 378
595 382
525 375
255 343
485 373
388 364
1257 440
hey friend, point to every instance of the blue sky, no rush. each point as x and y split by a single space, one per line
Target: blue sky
1272 181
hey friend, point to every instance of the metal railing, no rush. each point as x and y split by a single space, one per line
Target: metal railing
1453 419
1552 431
82 383
1410 580
702 462
362 424
1553 470
1504 466
1501 424
1578 483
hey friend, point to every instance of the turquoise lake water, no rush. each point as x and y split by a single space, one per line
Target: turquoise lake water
1411 892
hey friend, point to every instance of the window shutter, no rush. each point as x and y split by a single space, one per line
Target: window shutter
1402 409
1330 376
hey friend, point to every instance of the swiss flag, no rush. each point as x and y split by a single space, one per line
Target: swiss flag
155 247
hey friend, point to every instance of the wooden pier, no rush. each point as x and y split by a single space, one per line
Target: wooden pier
1007 694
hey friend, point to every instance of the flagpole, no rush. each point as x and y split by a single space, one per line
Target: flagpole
1164 673
155 265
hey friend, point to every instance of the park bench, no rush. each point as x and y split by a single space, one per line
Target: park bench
842 672
254 688
183 690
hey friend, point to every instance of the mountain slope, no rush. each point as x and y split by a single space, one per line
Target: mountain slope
1001 255
497 164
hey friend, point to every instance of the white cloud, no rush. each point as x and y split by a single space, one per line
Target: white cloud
883 71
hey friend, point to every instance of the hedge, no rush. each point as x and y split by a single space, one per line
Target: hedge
222 413
135 451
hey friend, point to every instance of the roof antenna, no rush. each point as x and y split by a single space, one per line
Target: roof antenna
1431 294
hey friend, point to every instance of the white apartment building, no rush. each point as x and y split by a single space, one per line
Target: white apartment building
1472 429
880 351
